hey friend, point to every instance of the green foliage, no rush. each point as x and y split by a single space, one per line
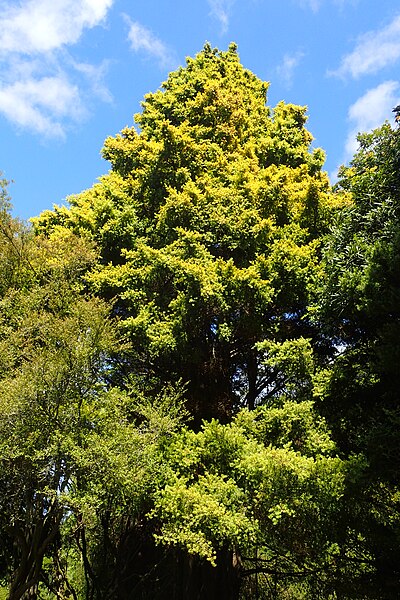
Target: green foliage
15 265
293 425
359 300
71 446
53 370
249 487
362 251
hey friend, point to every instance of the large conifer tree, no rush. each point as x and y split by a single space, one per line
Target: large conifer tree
208 226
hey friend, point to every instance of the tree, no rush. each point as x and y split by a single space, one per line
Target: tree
14 259
74 474
359 310
208 226
54 346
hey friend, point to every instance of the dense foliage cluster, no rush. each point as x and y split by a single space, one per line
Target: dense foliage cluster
198 362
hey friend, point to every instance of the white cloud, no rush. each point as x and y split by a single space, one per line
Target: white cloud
367 113
370 111
38 104
143 40
95 76
315 5
42 87
44 25
374 51
220 10
286 69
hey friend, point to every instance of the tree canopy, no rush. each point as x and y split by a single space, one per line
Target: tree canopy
208 230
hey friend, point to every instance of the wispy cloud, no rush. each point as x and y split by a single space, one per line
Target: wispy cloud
145 41
315 5
95 76
373 51
369 111
286 69
41 87
220 10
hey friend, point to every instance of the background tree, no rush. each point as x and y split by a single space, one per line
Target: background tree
360 310
53 346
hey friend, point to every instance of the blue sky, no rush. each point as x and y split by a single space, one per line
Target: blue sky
73 72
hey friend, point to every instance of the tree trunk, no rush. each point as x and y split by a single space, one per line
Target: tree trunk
201 581
153 573
252 371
